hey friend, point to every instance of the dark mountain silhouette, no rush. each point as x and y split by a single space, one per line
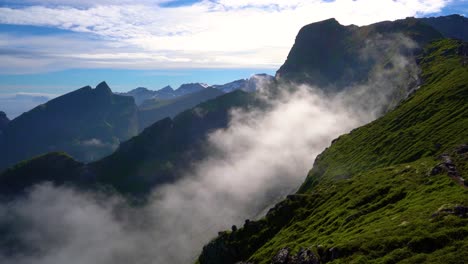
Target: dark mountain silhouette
332 56
155 156
87 123
453 26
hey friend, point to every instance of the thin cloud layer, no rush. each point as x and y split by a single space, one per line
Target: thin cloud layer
205 34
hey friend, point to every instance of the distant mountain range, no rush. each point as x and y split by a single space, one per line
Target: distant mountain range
142 94
251 84
90 123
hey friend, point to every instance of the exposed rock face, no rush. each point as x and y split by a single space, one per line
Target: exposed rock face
458 210
304 256
448 165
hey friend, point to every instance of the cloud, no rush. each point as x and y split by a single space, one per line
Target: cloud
262 155
16 104
204 34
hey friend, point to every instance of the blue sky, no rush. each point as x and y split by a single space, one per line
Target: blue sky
56 46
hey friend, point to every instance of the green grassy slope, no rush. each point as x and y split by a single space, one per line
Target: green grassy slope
374 196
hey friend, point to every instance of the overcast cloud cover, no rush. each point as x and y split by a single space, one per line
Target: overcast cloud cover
144 34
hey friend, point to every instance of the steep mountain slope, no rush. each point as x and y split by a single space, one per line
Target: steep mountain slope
453 26
153 110
87 123
334 56
390 191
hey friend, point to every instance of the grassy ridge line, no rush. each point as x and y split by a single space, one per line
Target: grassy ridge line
433 119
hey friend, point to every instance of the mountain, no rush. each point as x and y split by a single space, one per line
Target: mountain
55 167
153 110
453 26
334 56
189 88
86 123
248 85
141 94
390 191
155 156
3 121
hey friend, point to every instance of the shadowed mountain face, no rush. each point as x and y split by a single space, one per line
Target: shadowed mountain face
334 56
87 123
454 26
153 110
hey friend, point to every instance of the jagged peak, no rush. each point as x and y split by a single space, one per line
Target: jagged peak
103 87
140 89
166 88
187 85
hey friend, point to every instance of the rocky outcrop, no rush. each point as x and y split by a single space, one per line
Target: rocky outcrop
304 256
448 165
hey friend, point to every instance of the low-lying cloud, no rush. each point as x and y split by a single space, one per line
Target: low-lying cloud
259 158
16 104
